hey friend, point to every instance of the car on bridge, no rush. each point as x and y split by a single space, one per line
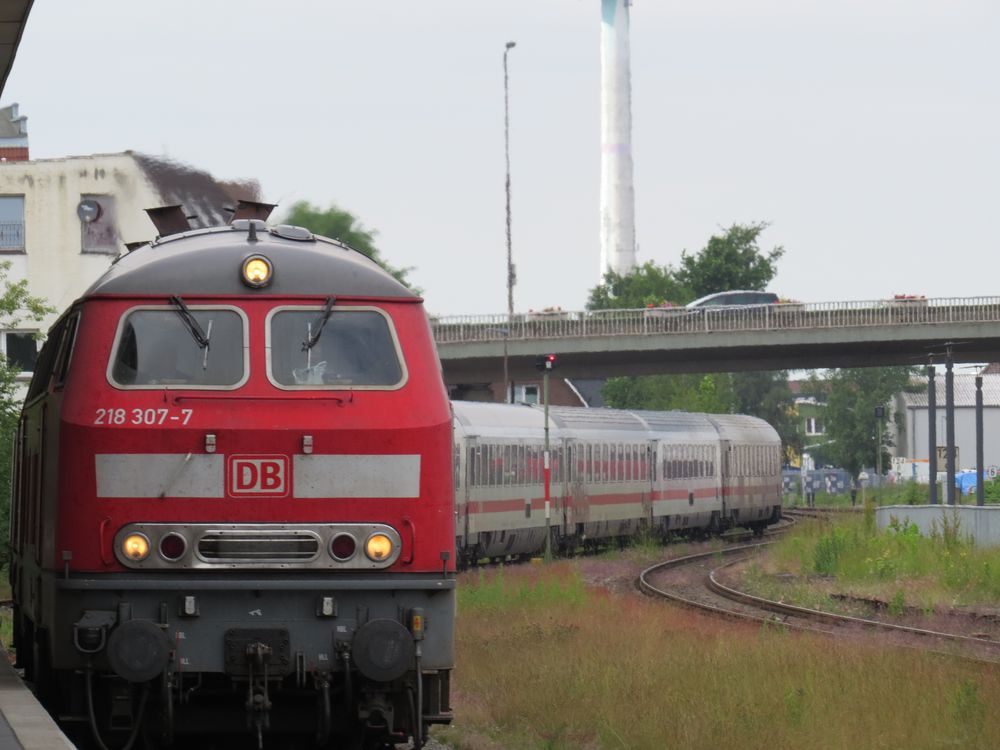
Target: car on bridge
736 297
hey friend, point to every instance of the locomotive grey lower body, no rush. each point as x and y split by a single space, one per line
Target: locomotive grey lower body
363 657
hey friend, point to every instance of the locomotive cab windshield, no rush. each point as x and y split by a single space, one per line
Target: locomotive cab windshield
352 347
155 348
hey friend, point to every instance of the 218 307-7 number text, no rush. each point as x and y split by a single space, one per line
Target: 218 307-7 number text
142 416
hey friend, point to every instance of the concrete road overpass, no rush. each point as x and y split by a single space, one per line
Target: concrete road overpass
761 337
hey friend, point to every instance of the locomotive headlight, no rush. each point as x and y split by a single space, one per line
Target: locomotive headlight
257 271
136 547
378 547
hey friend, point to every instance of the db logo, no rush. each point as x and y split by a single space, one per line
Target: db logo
262 476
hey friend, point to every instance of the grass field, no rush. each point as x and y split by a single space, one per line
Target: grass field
548 661
942 569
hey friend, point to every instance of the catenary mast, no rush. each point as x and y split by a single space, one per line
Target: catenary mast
617 193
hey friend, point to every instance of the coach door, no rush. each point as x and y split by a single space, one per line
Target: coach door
469 469
646 466
725 474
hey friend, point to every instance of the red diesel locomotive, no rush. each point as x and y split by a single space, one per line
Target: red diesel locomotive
232 505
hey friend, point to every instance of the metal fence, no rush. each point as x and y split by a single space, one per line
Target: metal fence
679 320
11 235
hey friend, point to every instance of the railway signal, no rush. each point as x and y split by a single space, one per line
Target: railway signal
546 362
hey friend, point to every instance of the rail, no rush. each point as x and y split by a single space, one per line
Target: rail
680 320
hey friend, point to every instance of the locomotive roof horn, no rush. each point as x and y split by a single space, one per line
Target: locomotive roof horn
252 210
169 220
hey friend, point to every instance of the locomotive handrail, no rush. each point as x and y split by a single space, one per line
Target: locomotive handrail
563 324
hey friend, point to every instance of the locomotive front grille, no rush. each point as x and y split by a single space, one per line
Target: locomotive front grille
213 546
225 546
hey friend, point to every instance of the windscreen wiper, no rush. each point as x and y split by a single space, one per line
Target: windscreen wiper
314 335
189 320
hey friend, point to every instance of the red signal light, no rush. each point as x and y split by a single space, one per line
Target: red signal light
173 546
546 362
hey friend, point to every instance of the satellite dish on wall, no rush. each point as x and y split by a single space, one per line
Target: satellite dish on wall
88 210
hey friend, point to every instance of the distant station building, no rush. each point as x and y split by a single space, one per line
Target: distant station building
63 221
912 436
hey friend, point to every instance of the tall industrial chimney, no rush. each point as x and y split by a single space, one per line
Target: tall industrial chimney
617 193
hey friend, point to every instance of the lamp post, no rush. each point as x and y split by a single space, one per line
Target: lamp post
508 391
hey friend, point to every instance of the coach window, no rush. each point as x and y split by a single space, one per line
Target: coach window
194 346
319 347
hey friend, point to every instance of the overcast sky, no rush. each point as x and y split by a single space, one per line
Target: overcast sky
865 131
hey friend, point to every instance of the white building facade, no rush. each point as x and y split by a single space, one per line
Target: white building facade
64 221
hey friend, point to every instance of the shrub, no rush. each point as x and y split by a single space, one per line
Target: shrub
826 555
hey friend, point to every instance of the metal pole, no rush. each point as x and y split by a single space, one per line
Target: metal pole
932 466
949 426
878 450
980 477
508 387
547 469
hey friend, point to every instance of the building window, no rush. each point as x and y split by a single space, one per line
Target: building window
813 426
98 230
21 350
12 223
526 394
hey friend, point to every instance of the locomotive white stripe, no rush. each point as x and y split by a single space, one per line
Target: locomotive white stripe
201 475
357 476
159 475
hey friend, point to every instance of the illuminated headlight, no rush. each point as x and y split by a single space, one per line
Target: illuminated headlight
136 547
378 547
257 271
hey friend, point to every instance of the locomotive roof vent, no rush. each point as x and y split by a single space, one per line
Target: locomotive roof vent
290 232
169 220
252 210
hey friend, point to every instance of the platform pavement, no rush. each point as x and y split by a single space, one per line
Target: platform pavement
24 724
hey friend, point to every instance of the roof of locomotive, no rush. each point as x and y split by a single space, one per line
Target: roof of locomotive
209 261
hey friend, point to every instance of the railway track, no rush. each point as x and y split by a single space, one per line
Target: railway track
694 581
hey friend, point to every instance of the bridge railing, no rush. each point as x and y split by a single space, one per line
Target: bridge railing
679 320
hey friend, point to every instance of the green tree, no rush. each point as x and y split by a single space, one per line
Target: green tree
342 225
732 260
851 425
705 393
18 309
648 284
729 261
